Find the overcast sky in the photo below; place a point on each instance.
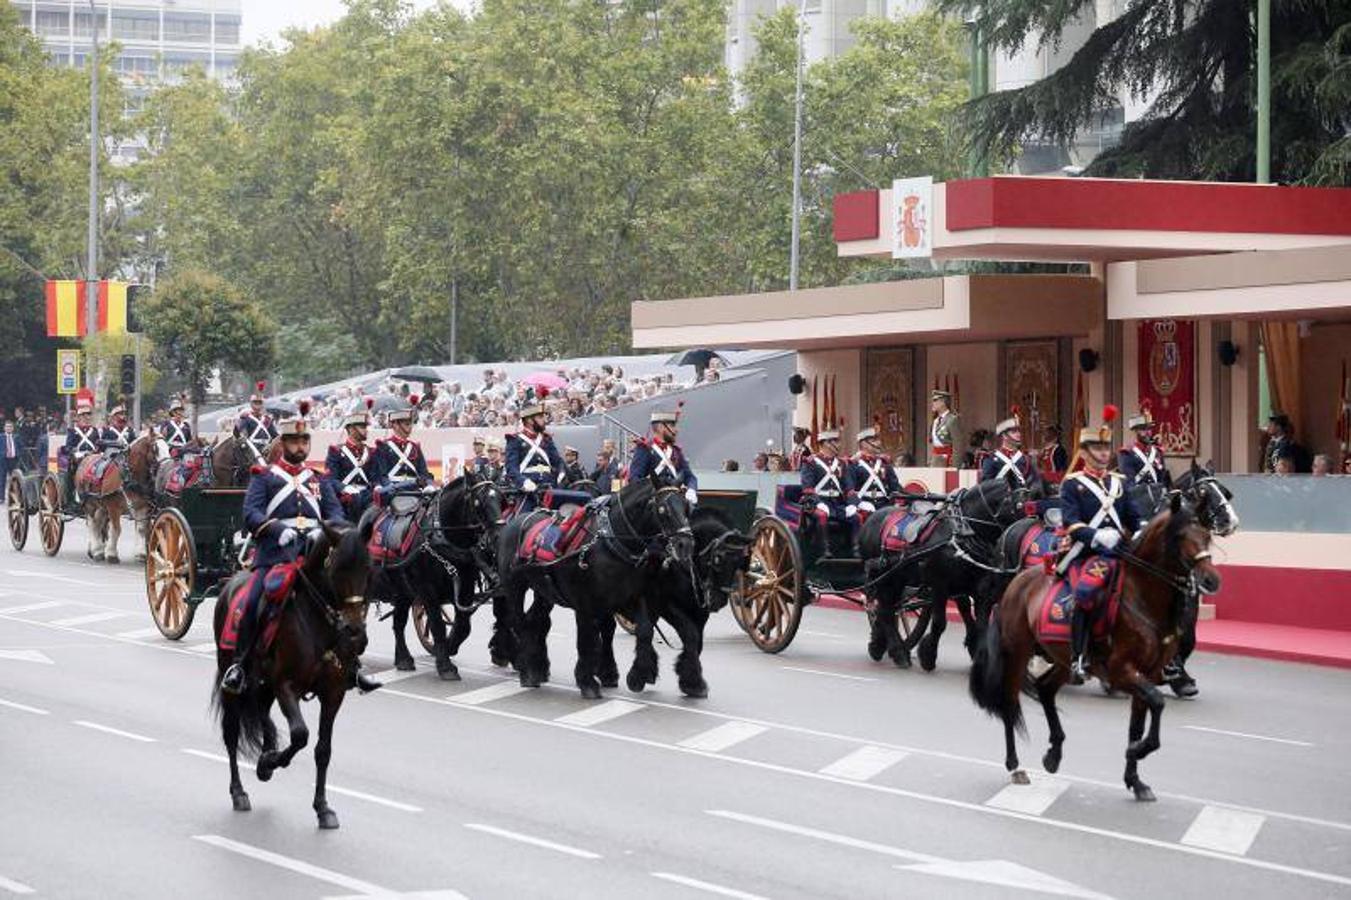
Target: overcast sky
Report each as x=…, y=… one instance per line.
x=265, y=19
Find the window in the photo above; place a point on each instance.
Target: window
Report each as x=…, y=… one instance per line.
x=178, y=63
x=135, y=65
x=84, y=25
x=136, y=26
x=191, y=27
x=227, y=29
x=52, y=24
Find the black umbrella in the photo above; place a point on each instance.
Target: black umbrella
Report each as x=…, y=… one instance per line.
x=425, y=374
x=279, y=407
x=386, y=402
x=697, y=357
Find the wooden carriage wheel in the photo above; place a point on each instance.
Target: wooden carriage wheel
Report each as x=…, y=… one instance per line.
x=424, y=632
x=51, y=527
x=769, y=598
x=18, y=516
x=170, y=573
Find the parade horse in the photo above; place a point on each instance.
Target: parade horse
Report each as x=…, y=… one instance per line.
x=685, y=599
x=945, y=554
x=628, y=543
x=431, y=549
x=309, y=647
x=113, y=484
x=1139, y=633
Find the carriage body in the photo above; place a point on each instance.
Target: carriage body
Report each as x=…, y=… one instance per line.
x=190, y=553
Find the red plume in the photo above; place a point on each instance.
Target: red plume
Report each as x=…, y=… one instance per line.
x=1110, y=413
x=370, y=402
x=304, y=407
x=1016, y=411
x=541, y=392
x=261, y=386
x=414, y=399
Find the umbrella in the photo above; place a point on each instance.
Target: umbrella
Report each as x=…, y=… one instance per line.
x=425, y=374
x=547, y=380
x=696, y=357
x=279, y=407
x=386, y=402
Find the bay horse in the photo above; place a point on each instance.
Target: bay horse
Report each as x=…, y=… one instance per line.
x=455, y=541
x=636, y=538
x=320, y=634
x=953, y=557
x=112, y=484
x=1171, y=557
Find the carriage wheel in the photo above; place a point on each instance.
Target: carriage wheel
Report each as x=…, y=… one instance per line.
x=170, y=571
x=424, y=632
x=18, y=516
x=51, y=527
x=906, y=622
x=768, y=602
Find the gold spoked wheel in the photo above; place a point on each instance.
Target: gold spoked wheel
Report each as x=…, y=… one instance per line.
x=768, y=601
x=51, y=527
x=18, y=516
x=424, y=632
x=170, y=571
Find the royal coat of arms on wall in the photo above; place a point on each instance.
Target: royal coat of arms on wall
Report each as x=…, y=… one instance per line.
x=1167, y=382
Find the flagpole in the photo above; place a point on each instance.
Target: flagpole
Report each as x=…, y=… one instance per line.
x=92, y=245
x=793, y=262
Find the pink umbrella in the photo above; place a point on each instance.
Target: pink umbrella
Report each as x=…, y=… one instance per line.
x=548, y=380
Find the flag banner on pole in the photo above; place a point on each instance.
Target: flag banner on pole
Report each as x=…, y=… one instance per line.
x=65, y=309
x=113, y=307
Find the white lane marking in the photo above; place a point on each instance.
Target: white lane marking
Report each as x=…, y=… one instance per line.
x=1005, y=873
x=841, y=840
x=721, y=737
x=926, y=798
x=531, y=840
x=91, y=618
x=15, y=887
x=827, y=634
x=1244, y=734
x=33, y=656
x=214, y=757
x=706, y=886
x=24, y=707
x=47, y=576
x=140, y=633
x=394, y=676
x=1226, y=830
x=827, y=674
x=864, y=763
x=204, y=647
x=32, y=607
x=1033, y=799
x=108, y=729
x=372, y=798
x=499, y=691
x=601, y=712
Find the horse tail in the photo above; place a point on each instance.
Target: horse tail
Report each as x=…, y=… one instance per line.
x=988, y=672
x=251, y=713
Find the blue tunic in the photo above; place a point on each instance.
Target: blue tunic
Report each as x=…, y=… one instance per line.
x=1149, y=470
x=875, y=484
x=648, y=460
x=388, y=468
x=307, y=499
x=354, y=490
x=1080, y=504
x=542, y=464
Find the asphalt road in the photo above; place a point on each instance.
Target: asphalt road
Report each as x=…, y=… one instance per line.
x=811, y=774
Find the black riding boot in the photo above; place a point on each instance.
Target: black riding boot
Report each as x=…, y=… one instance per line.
x=236, y=677
x=1078, y=646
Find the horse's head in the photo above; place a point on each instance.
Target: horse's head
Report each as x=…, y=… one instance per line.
x=143, y=457
x=486, y=503
x=1186, y=546
x=658, y=512
x=340, y=564
x=993, y=504
x=1210, y=498
x=720, y=552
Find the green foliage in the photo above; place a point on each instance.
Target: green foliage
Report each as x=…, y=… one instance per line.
x=314, y=352
x=201, y=323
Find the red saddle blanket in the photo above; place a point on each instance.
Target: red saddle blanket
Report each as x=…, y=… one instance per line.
x=902, y=529
x=1058, y=600
x=186, y=474
x=1039, y=545
x=91, y=473
x=553, y=537
x=277, y=583
x=393, y=535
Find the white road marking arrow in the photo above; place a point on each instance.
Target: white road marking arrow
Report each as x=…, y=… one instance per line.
x=33, y=656
x=1005, y=874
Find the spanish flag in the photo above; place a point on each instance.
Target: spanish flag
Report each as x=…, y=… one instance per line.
x=65, y=308
x=113, y=307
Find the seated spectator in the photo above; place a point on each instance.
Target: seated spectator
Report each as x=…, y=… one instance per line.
x=731, y=465
x=1322, y=464
x=761, y=462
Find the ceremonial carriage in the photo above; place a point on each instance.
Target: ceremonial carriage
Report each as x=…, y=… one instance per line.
x=192, y=548
x=47, y=495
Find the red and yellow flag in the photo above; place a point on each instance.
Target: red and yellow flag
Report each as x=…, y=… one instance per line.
x=65, y=308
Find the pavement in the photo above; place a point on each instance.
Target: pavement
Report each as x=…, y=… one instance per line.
x=812, y=774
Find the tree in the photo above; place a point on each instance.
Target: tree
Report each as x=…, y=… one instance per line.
x=201, y=323
x=1196, y=60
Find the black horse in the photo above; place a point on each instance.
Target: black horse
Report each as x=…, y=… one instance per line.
x=636, y=538
x=685, y=600
x=953, y=557
x=453, y=543
x=320, y=634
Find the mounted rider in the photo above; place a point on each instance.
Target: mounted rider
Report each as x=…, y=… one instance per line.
x=872, y=474
x=349, y=466
x=284, y=505
x=1008, y=461
x=255, y=427
x=1099, y=516
x=828, y=493
x=83, y=438
x=117, y=433
x=1142, y=462
x=533, y=460
x=176, y=432
x=658, y=454
x=398, y=460
x=946, y=438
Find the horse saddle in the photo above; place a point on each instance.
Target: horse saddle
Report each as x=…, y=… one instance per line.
x=277, y=584
x=1040, y=546
x=92, y=470
x=904, y=528
x=395, y=530
x=554, y=536
x=1084, y=584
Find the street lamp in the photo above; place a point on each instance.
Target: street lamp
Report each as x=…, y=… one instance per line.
x=797, y=150
x=91, y=301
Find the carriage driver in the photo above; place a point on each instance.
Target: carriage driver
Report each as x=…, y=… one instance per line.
x=533, y=461
x=82, y=439
x=1142, y=462
x=176, y=432
x=828, y=489
x=659, y=455
x=348, y=466
x=117, y=434
x=872, y=474
x=255, y=427
x=1099, y=516
x=1008, y=460
x=399, y=461
x=284, y=504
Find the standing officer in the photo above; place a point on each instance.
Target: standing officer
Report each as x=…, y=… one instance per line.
x=176, y=432
x=801, y=446
x=1008, y=460
x=828, y=490
x=348, y=465
x=872, y=474
x=660, y=455
x=479, y=460
x=399, y=460
x=1142, y=462
x=533, y=461
x=945, y=434
x=10, y=455
x=256, y=426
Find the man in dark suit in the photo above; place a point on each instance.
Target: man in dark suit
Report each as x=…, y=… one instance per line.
x=11, y=453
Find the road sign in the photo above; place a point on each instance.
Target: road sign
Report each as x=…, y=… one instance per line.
x=67, y=371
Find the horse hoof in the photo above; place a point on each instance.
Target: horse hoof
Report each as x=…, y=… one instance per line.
x=635, y=682
x=1144, y=794
x=266, y=766
x=529, y=681
x=328, y=819
x=698, y=691
x=241, y=802
x=610, y=680
x=1051, y=762
x=447, y=671
x=404, y=663
x=1020, y=777
x=877, y=648
x=499, y=660
x=901, y=660
x=590, y=691
x=111, y=560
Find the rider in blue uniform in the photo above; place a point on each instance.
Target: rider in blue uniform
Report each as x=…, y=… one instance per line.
x=828, y=492
x=283, y=505
x=872, y=474
x=83, y=437
x=533, y=461
x=117, y=434
x=1142, y=462
x=658, y=454
x=399, y=461
x=1008, y=460
x=348, y=466
x=176, y=432
x=1099, y=517
x=256, y=427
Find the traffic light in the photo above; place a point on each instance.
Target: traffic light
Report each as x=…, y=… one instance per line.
x=128, y=375
x=133, y=318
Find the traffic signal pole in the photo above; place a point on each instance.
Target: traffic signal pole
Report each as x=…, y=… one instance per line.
x=91, y=285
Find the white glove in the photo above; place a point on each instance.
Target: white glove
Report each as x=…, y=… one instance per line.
x=850, y=511
x=823, y=509
x=287, y=536
x=867, y=506
x=691, y=497
x=313, y=534
x=430, y=489
x=1106, y=538
x=528, y=486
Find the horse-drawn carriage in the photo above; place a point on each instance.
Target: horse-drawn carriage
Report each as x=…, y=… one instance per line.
x=48, y=495
x=192, y=549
